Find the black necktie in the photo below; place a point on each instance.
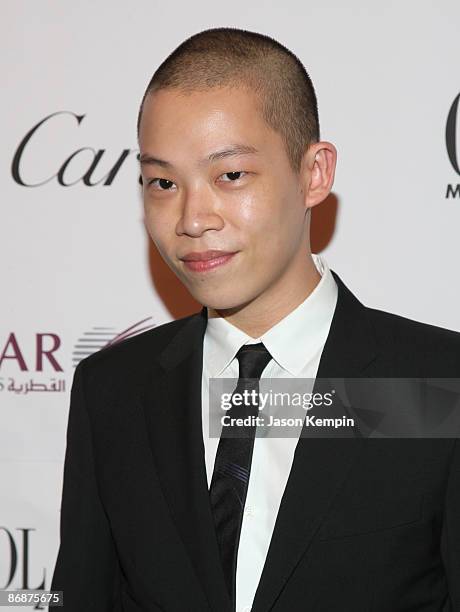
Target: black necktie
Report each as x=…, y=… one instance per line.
x=232, y=466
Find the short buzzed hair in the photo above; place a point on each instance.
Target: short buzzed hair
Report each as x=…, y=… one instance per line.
x=240, y=58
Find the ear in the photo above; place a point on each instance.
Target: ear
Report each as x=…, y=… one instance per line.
x=318, y=171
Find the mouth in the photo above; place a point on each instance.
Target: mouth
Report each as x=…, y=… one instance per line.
x=207, y=260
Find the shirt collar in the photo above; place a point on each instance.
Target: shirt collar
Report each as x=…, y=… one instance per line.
x=292, y=342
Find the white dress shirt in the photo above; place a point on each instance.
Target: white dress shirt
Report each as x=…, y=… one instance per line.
x=295, y=344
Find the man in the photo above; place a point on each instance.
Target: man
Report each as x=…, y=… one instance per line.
x=157, y=514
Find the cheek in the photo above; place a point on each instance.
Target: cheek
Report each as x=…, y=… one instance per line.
x=158, y=225
x=268, y=219
x=259, y=211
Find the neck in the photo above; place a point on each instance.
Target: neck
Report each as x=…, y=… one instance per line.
x=266, y=310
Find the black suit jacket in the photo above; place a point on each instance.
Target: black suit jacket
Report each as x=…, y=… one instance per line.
x=365, y=525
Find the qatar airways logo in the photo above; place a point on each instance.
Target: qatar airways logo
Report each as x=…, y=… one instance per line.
x=100, y=337
x=452, y=142
x=33, y=363
x=86, y=165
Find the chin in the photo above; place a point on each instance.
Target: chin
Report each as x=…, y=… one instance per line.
x=224, y=300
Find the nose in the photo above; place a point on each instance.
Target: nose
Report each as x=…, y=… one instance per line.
x=199, y=213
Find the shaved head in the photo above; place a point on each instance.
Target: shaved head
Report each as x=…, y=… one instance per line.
x=232, y=57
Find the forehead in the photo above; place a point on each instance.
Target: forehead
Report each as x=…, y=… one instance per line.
x=211, y=117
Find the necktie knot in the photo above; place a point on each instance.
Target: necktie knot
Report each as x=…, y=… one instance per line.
x=252, y=359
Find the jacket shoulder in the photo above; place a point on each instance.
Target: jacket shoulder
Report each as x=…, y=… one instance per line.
x=134, y=354
x=432, y=350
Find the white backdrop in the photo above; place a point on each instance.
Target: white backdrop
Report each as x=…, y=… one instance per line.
x=77, y=267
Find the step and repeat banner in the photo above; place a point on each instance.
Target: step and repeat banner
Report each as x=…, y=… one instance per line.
x=78, y=270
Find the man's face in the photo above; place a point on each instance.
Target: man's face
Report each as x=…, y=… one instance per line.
x=246, y=204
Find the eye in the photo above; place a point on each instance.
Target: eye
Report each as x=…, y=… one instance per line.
x=164, y=184
x=234, y=176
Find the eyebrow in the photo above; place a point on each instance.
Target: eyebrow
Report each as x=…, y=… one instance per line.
x=231, y=151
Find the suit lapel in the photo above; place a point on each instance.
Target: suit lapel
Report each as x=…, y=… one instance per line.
x=175, y=429
x=320, y=465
